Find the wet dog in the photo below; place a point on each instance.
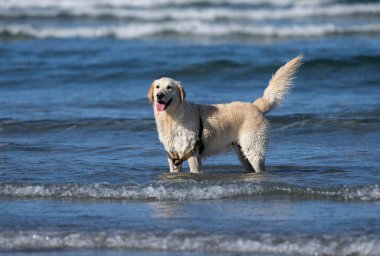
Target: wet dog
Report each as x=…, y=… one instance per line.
x=191, y=131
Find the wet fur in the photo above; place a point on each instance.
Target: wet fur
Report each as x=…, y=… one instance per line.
x=238, y=125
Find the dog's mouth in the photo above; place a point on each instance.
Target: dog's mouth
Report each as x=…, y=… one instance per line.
x=161, y=105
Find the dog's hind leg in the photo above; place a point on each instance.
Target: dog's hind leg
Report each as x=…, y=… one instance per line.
x=243, y=160
x=195, y=164
x=257, y=162
x=255, y=157
x=253, y=147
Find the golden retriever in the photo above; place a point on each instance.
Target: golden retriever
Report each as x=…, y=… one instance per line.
x=192, y=131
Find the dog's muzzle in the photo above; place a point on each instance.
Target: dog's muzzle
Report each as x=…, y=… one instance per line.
x=161, y=105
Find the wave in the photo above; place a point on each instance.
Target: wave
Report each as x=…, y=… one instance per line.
x=13, y=4
x=367, y=120
x=236, y=19
x=188, y=29
x=245, y=68
x=13, y=126
x=187, y=190
x=183, y=241
x=191, y=13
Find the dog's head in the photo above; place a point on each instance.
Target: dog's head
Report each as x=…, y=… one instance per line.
x=166, y=93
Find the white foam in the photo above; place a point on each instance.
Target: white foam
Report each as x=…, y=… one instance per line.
x=145, y=20
x=189, y=190
x=148, y=3
x=190, y=29
x=184, y=241
x=197, y=14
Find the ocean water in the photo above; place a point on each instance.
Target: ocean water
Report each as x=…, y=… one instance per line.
x=82, y=171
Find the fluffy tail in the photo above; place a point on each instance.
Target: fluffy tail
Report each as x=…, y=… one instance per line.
x=279, y=86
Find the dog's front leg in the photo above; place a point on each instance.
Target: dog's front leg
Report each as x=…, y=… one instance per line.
x=195, y=164
x=174, y=168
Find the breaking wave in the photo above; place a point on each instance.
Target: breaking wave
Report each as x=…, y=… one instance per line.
x=195, y=18
x=187, y=29
x=188, y=13
x=188, y=190
x=184, y=241
x=151, y=3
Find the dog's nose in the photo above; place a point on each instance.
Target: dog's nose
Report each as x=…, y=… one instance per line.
x=160, y=95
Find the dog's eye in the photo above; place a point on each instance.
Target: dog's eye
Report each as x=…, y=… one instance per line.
x=157, y=87
x=169, y=87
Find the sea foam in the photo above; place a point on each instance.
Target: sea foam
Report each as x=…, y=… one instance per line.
x=189, y=13
x=197, y=19
x=151, y=3
x=188, y=29
x=183, y=241
x=189, y=190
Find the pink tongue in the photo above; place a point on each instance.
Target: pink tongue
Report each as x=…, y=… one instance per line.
x=160, y=107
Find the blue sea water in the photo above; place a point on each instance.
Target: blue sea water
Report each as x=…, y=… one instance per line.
x=82, y=171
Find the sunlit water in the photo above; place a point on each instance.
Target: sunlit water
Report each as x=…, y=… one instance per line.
x=81, y=167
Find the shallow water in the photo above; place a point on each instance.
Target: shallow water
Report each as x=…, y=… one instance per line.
x=82, y=171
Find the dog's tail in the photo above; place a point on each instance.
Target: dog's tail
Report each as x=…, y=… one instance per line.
x=279, y=86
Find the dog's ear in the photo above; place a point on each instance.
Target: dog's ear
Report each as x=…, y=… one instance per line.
x=182, y=92
x=151, y=93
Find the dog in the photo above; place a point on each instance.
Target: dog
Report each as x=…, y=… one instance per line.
x=192, y=131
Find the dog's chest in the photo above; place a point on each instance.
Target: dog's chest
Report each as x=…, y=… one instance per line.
x=177, y=138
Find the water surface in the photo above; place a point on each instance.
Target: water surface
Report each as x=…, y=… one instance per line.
x=81, y=167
